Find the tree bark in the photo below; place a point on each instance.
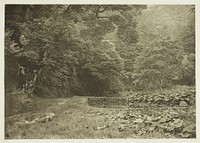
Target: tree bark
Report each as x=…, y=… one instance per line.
x=37, y=72
x=22, y=77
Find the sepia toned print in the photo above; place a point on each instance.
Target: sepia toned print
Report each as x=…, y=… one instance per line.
x=100, y=71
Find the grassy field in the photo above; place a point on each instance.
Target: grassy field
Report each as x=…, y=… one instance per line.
x=75, y=119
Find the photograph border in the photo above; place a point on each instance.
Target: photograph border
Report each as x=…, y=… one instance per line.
x=168, y=2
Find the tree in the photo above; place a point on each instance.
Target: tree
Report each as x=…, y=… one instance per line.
x=160, y=64
x=169, y=25
x=54, y=41
x=101, y=72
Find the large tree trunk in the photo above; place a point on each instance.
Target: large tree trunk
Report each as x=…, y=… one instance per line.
x=36, y=72
x=22, y=77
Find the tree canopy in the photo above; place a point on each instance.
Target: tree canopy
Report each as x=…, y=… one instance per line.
x=63, y=50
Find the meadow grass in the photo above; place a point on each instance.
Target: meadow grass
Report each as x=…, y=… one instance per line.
x=75, y=119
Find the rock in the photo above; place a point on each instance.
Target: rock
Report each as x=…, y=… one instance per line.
x=121, y=128
x=131, y=104
x=99, y=113
x=132, y=115
x=152, y=128
x=149, y=118
x=187, y=99
x=138, y=121
x=43, y=120
x=189, y=129
x=156, y=118
x=185, y=135
x=141, y=132
x=101, y=128
x=19, y=123
x=32, y=122
x=125, y=122
x=23, y=120
x=36, y=119
x=51, y=115
x=106, y=114
x=27, y=122
x=178, y=123
x=183, y=104
x=121, y=116
x=47, y=118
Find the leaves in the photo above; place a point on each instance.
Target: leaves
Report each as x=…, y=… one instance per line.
x=106, y=48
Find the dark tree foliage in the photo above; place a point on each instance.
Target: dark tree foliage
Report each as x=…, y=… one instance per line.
x=63, y=50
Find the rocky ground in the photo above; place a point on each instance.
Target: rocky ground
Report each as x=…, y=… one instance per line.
x=74, y=118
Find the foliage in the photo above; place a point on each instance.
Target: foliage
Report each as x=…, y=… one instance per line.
x=172, y=25
x=99, y=49
x=104, y=69
x=18, y=102
x=57, y=42
x=159, y=64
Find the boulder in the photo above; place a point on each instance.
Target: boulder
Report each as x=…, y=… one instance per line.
x=183, y=104
x=47, y=118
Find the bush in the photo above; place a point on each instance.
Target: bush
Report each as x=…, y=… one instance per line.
x=18, y=102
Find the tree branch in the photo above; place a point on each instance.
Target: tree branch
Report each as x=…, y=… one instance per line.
x=69, y=6
x=100, y=10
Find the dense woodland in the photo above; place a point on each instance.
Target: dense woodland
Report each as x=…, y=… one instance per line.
x=98, y=50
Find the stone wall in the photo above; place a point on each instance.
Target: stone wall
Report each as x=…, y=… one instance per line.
x=107, y=101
